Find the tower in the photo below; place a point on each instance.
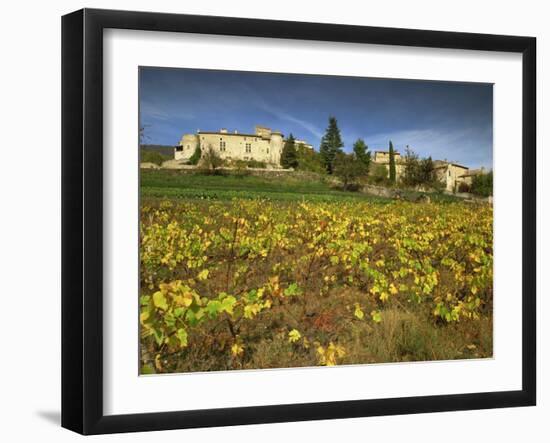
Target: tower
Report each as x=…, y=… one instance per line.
x=276, y=147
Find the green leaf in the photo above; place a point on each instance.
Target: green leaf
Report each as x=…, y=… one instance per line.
x=182, y=337
x=191, y=317
x=358, y=312
x=252, y=295
x=159, y=336
x=228, y=303
x=169, y=320
x=159, y=300
x=293, y=289
x=213, y=308
x=147, y=370
x=376, y=316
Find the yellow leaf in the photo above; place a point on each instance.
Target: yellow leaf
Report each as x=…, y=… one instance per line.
x=294, y=336
x=237, y=349
x=158, y=364
x=358, y=312
x=143, y=316
x=203, y=275
x=184, y=300
x=159, y=300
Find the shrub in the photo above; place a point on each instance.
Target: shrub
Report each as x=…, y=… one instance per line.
x=211, y=161
x=152, y=157
x=309, y=160
x=256, y=164
x=482, y=184
x=378, y=174
x=349, y=169
x=194, y=159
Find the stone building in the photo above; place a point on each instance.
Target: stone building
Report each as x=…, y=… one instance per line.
x=450, y=174
x=263, y=145
x=383, y=158
x=304, y=144
x=469, y=175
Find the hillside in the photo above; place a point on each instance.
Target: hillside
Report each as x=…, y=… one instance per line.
x=164, y=150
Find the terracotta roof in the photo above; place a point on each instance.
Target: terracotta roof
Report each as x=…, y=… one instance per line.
x=473, y=172
x=438, y=164
x=387, y=152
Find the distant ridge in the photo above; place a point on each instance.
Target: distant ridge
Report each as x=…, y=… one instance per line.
x=165, y=150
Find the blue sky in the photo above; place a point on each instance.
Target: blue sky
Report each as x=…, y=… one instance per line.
x=447, y=120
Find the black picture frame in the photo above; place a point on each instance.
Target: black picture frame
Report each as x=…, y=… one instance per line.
x=82, y=218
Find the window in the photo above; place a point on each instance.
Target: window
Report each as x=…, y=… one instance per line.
x=267, y=150
x=222, y=146
x=449, y=172
x=248, y=148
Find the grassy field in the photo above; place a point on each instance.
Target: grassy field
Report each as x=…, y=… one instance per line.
x=258, y=272
x=290, y=187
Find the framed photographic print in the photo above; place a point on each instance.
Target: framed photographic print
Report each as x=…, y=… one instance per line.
x=269, y=221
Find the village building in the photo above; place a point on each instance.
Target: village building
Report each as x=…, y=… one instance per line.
x=264, y=145
x=305, y=144
x=469, y=175
x=383, y=158
x=450, y=174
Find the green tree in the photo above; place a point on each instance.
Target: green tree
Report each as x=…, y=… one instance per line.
x=348, y=168
x=392, y=164
x=211, y=161
x=309, y=159
x=411, y=168
x=289, y=156
x=426, y=171
x=331, y=144
x=362, y=153
x=482, y=184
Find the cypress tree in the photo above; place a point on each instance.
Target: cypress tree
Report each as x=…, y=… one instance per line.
x=392, y=163
x=331, y=145
x=289, y=156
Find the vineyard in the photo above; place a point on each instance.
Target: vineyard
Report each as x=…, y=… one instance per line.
x=243, y=284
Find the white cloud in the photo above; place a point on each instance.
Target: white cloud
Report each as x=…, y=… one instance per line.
x=459, y=145
x=149, y=110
